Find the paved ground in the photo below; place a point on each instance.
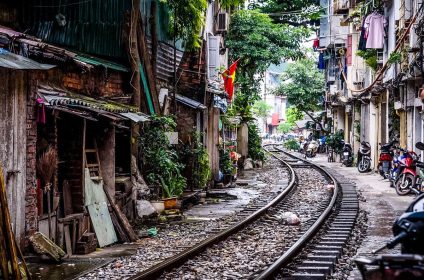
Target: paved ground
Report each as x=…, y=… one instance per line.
x=381, y=202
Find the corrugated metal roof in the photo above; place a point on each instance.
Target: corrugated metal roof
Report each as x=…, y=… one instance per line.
x=190, y=102
x=136, y=117
x=88, y=107
x=14, y=61
x=101, y=62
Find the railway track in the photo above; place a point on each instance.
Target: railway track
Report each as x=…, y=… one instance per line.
x=340, y=205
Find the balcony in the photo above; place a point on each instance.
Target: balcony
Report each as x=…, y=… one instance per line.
x=341, y=7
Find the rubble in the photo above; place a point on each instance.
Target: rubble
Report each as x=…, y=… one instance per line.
x=44, y=246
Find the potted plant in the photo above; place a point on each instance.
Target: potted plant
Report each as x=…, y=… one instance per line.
x=160, y=160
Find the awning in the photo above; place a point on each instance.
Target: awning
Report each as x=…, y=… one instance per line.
x=136, y=117
x=95, y=61
x=190, y=102
x=86, y=106
x=14, y=61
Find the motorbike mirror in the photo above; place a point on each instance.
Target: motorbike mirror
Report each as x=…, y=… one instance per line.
x=419, y=145
x=417, y=205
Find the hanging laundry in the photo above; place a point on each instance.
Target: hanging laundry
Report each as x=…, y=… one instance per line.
x=362, y=38
x=315, y=44
x=321, y=62
x=41, y=111
x=375, y=24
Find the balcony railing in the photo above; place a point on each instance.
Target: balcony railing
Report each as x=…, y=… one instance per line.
x=341, y=6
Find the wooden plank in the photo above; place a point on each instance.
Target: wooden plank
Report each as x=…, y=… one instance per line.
x=67, y=199
x=68, y=244
x=13, y=254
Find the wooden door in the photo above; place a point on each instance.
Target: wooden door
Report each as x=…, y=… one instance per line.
x=13, y=143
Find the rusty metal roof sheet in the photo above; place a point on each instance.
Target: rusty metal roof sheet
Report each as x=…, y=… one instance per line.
x=190, y=102
x=54, y=95
x=14, y=61
x=86, y=106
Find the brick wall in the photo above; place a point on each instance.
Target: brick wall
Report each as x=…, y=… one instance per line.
x=95, y=83
x=31, y=211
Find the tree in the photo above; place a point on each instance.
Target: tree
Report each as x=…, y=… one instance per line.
x=294, y=12
x=261, y=109
x=304, y=85
x=258, y=42
x=293, y=115
x=284, y=127
x=186, y=20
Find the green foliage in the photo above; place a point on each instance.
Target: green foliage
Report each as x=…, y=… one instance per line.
x=197, y=169
x=261, y=109
x=292, y=144
x=258, y=42
x=189, y=20
x=160, y=160
x=395, y=57
x=303, y=85
x=225, y=164
x=294, y=11
x=357, y=130
x=293, y=115
x=335, y=141
x=226, y=4
x=255, y=150
x=284, y=127
x=370, y=57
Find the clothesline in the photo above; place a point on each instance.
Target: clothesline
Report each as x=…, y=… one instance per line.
x=386, y=65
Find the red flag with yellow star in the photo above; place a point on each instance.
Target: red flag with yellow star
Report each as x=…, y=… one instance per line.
x=229, y=77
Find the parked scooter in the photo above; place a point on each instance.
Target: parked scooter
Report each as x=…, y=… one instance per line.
x=347, y=155
x=364, y=157
x=385, y=159
x=312, y=149
x=411, y=180
x=408, y=230
x=399, y=155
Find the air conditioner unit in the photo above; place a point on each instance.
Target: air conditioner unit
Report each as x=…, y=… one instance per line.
x=222, y=23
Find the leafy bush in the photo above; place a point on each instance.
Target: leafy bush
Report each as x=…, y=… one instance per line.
x=225, y=164
x=197, y=170
x=370, y=57
x=254, y=149
x=292, y=144
x=335, y=141
x=160, y=160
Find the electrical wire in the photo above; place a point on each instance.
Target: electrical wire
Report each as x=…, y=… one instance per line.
x=63, y=5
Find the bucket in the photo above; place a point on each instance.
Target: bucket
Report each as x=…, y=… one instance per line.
x=170, y=203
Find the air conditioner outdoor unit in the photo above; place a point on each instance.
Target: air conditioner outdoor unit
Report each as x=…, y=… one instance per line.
x=222, y=24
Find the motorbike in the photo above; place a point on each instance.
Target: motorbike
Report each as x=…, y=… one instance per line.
x=312, y=149
x=399, y=157
x=411, y=179
x=364, y=157
x=408, y=230
x=385, y=158
x=347, y=158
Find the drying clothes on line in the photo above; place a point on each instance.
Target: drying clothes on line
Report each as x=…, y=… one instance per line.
x=375, y=23
x=362, y=45
x=315, y=44
x=321, y=62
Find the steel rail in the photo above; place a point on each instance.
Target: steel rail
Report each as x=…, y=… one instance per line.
x=172, y=262
x=309, y=234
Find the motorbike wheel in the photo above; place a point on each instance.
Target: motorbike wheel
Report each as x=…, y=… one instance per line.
x=405, y=188
x=364, y=165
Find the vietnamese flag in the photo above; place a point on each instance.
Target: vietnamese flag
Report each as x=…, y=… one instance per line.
x=229, y=77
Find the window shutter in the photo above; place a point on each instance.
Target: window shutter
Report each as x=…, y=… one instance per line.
x=213, y=57
x=349, y=50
